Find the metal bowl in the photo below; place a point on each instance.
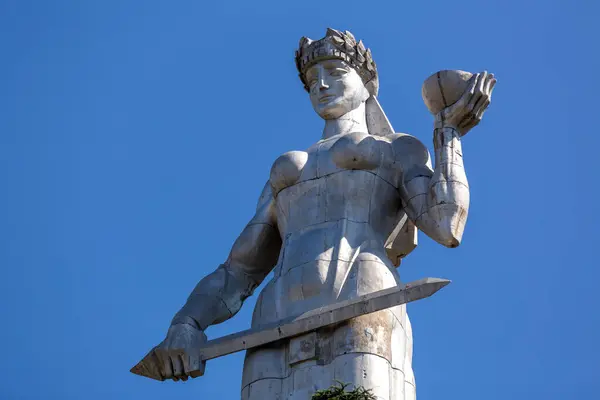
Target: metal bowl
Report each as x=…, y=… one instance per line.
x=444, y=88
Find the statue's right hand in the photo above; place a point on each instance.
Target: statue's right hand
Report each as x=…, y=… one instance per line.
x=179, y=354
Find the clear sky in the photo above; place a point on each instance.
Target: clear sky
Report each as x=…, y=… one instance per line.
x=135, y=137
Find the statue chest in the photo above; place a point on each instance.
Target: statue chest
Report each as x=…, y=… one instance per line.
x=354, y=151
x=352, y=177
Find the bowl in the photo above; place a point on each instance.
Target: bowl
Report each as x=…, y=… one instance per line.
x=444, y=88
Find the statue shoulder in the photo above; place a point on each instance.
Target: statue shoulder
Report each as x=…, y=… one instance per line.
x=287, y=169
x=408, y=150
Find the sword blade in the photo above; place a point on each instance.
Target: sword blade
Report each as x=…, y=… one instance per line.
x=309, y=321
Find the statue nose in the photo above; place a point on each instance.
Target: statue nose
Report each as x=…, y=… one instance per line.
x=322, y=84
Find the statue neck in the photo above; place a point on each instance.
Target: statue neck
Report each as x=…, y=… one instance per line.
x=353, y=121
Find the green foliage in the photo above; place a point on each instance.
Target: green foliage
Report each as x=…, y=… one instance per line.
x=340, y=393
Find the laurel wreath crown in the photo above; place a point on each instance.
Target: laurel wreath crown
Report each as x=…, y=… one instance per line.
x=340, y=45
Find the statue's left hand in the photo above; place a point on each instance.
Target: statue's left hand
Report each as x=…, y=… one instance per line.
x=467, y=112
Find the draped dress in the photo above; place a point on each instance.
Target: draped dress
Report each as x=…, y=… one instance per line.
x=336, y=205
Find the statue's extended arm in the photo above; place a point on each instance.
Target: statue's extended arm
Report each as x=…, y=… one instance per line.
x=220, y=295
x=437, y=201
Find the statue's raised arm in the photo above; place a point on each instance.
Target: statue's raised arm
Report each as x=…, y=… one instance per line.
x=219, y=295
x=437, y=200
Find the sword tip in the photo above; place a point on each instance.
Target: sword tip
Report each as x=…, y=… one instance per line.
x=439, y=281
x=428, y=286
x=430, y=281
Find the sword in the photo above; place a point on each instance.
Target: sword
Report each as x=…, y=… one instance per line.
x=306, y=322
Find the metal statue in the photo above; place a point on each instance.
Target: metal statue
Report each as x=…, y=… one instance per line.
x=333, y=222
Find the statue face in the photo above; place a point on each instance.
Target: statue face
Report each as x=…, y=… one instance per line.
x=335, y=88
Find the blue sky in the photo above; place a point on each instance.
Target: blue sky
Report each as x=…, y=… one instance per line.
x=135, y=138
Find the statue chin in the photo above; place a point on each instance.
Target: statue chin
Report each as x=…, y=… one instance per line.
x=334, y=109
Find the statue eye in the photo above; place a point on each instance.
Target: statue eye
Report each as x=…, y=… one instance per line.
x=338, y=72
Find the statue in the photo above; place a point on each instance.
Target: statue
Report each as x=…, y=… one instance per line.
x=333, y=223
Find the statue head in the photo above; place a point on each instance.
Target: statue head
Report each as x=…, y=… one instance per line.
x=338, y=73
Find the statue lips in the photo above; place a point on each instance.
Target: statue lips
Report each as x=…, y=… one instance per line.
x=327, y=98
